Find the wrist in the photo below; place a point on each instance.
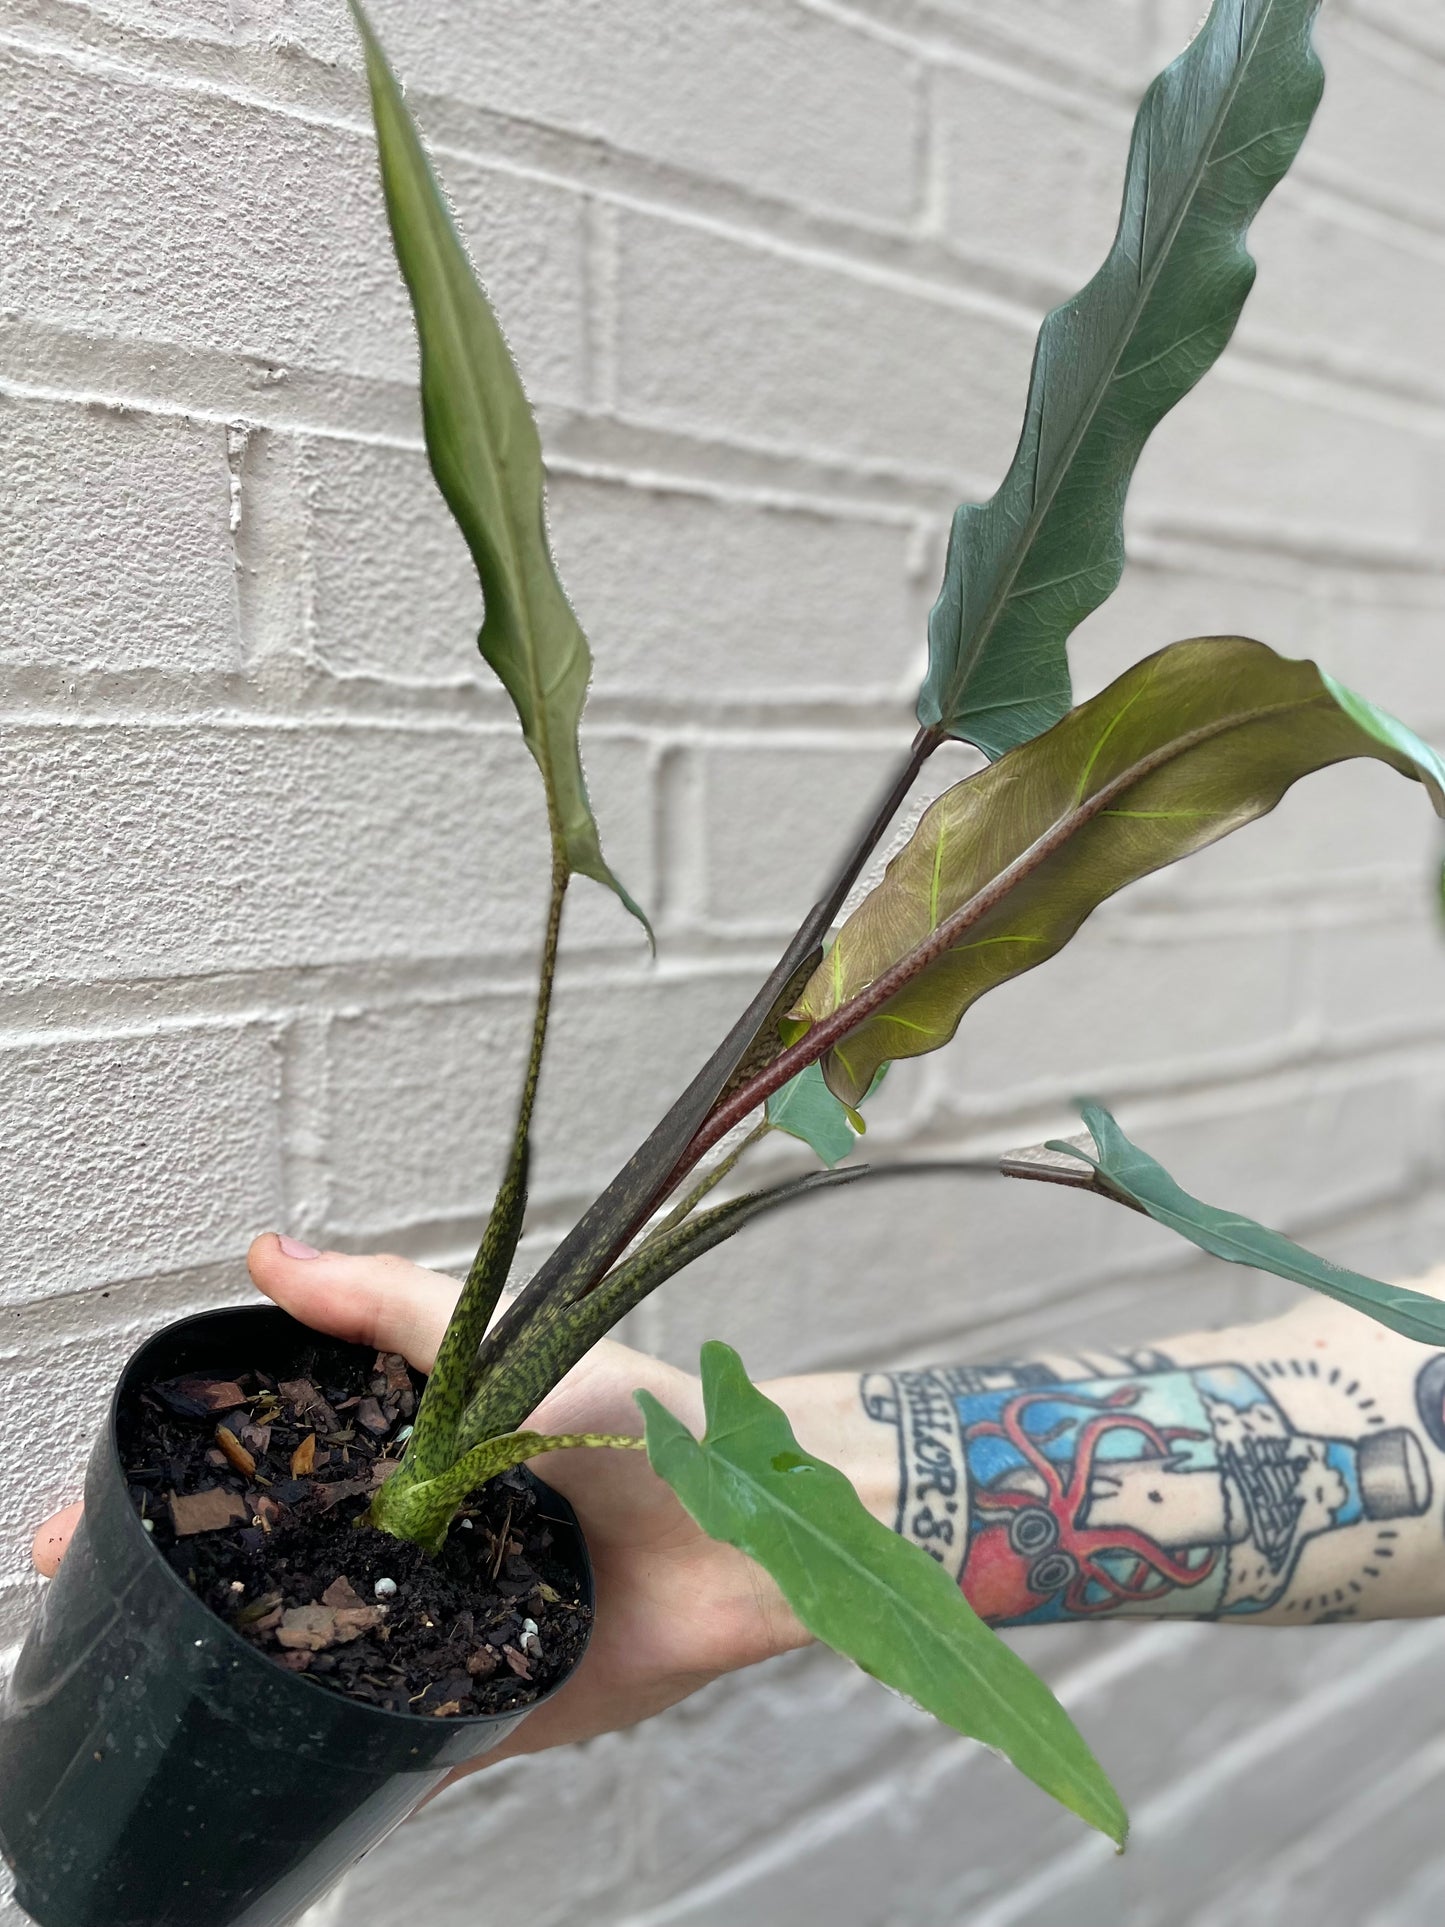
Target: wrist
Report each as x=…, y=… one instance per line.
x=828, y=1420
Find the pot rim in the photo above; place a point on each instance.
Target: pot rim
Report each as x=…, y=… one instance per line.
x=235, y=1642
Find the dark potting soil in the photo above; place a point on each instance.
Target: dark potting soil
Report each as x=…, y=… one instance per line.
x=255, y=1487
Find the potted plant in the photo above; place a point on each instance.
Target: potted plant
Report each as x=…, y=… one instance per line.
x=308, y=1583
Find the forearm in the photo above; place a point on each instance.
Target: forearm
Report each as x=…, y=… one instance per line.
x=1288, y=1472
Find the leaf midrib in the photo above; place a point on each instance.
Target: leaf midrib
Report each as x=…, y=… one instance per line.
x=1059, y=832
x=1345, y=1286
x=1039, y=509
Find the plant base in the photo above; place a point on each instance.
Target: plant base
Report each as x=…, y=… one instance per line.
x=156, y=1769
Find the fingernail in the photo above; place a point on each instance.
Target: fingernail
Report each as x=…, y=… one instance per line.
x=293, y=1247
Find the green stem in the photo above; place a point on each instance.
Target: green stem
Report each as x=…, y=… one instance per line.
x=614, y=1218
x=450, y=1385
x=686, y=1205
x=730, y=1111
x=562, y=1334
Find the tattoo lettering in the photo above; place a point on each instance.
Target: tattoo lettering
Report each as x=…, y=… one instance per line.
x=923, y=1407
x=1152, y=1489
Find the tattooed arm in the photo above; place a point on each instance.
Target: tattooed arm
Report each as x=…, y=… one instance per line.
x=1291, y=1472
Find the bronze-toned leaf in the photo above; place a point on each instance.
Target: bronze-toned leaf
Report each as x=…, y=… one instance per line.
x=1186, y=746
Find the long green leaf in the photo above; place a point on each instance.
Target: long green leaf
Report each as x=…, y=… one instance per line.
x=1131, y=1175
x=487, y=460
x=1186, y=746
x=856, y=1585
x=1214, y=134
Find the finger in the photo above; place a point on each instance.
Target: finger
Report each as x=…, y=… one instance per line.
x=50, y=1543
x=379, y=1300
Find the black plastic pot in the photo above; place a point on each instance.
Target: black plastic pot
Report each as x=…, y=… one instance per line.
x=156, y=1770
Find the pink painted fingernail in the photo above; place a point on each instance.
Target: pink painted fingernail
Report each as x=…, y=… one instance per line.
x=293, y=1247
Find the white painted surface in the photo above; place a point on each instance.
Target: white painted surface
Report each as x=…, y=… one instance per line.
x=270, y=847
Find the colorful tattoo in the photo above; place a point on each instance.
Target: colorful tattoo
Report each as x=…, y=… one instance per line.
x=1430, y=1399
x=1142, y=1488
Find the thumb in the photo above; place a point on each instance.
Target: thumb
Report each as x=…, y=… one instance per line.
x=380, y=1300
x=52, y=1541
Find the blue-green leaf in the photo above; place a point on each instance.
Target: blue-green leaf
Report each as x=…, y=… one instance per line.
x=1184, y=748
x=863, y=1590
x=1214, y=134
x=806, y=1109
x=1131, y=1175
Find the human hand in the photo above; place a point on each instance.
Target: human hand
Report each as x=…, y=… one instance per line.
x=674, y=1608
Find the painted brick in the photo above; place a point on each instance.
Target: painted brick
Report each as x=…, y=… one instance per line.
x=1113, y=40
x=1333, y=274
x=915, y=1870
x=1111, y=1007
x=131, y=1153
x=763, y=347
x=253, y=234
x=1320, y=1148
x=156, y=228
x=799, y=1729
x=1414, y=28
x=913, y=1260
x=61, y=1352
x=1379, y=127
x=119, y=552
x=496, y=1822
x=1319, y=1757
x=391, y=1077
x=18, y=1603
x=1169, y=593
x=1331, y=1876
x=771, y=97
x=688, y=597
x=684, y=596
x=966, y=1267
x=1239, y=455
x=621, y=1053
x=55, y=1432
x=1356, y=826
x=759, y=870
x=215, y=18
x=421, y=1098
x=1055, y=206
x=177, y=851
x=1381, y=636
x=10, y=1914
x=1419, y=1894
x=1382, y=974
x=393, y=593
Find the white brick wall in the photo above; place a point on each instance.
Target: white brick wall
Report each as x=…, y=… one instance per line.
x=270, y=847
